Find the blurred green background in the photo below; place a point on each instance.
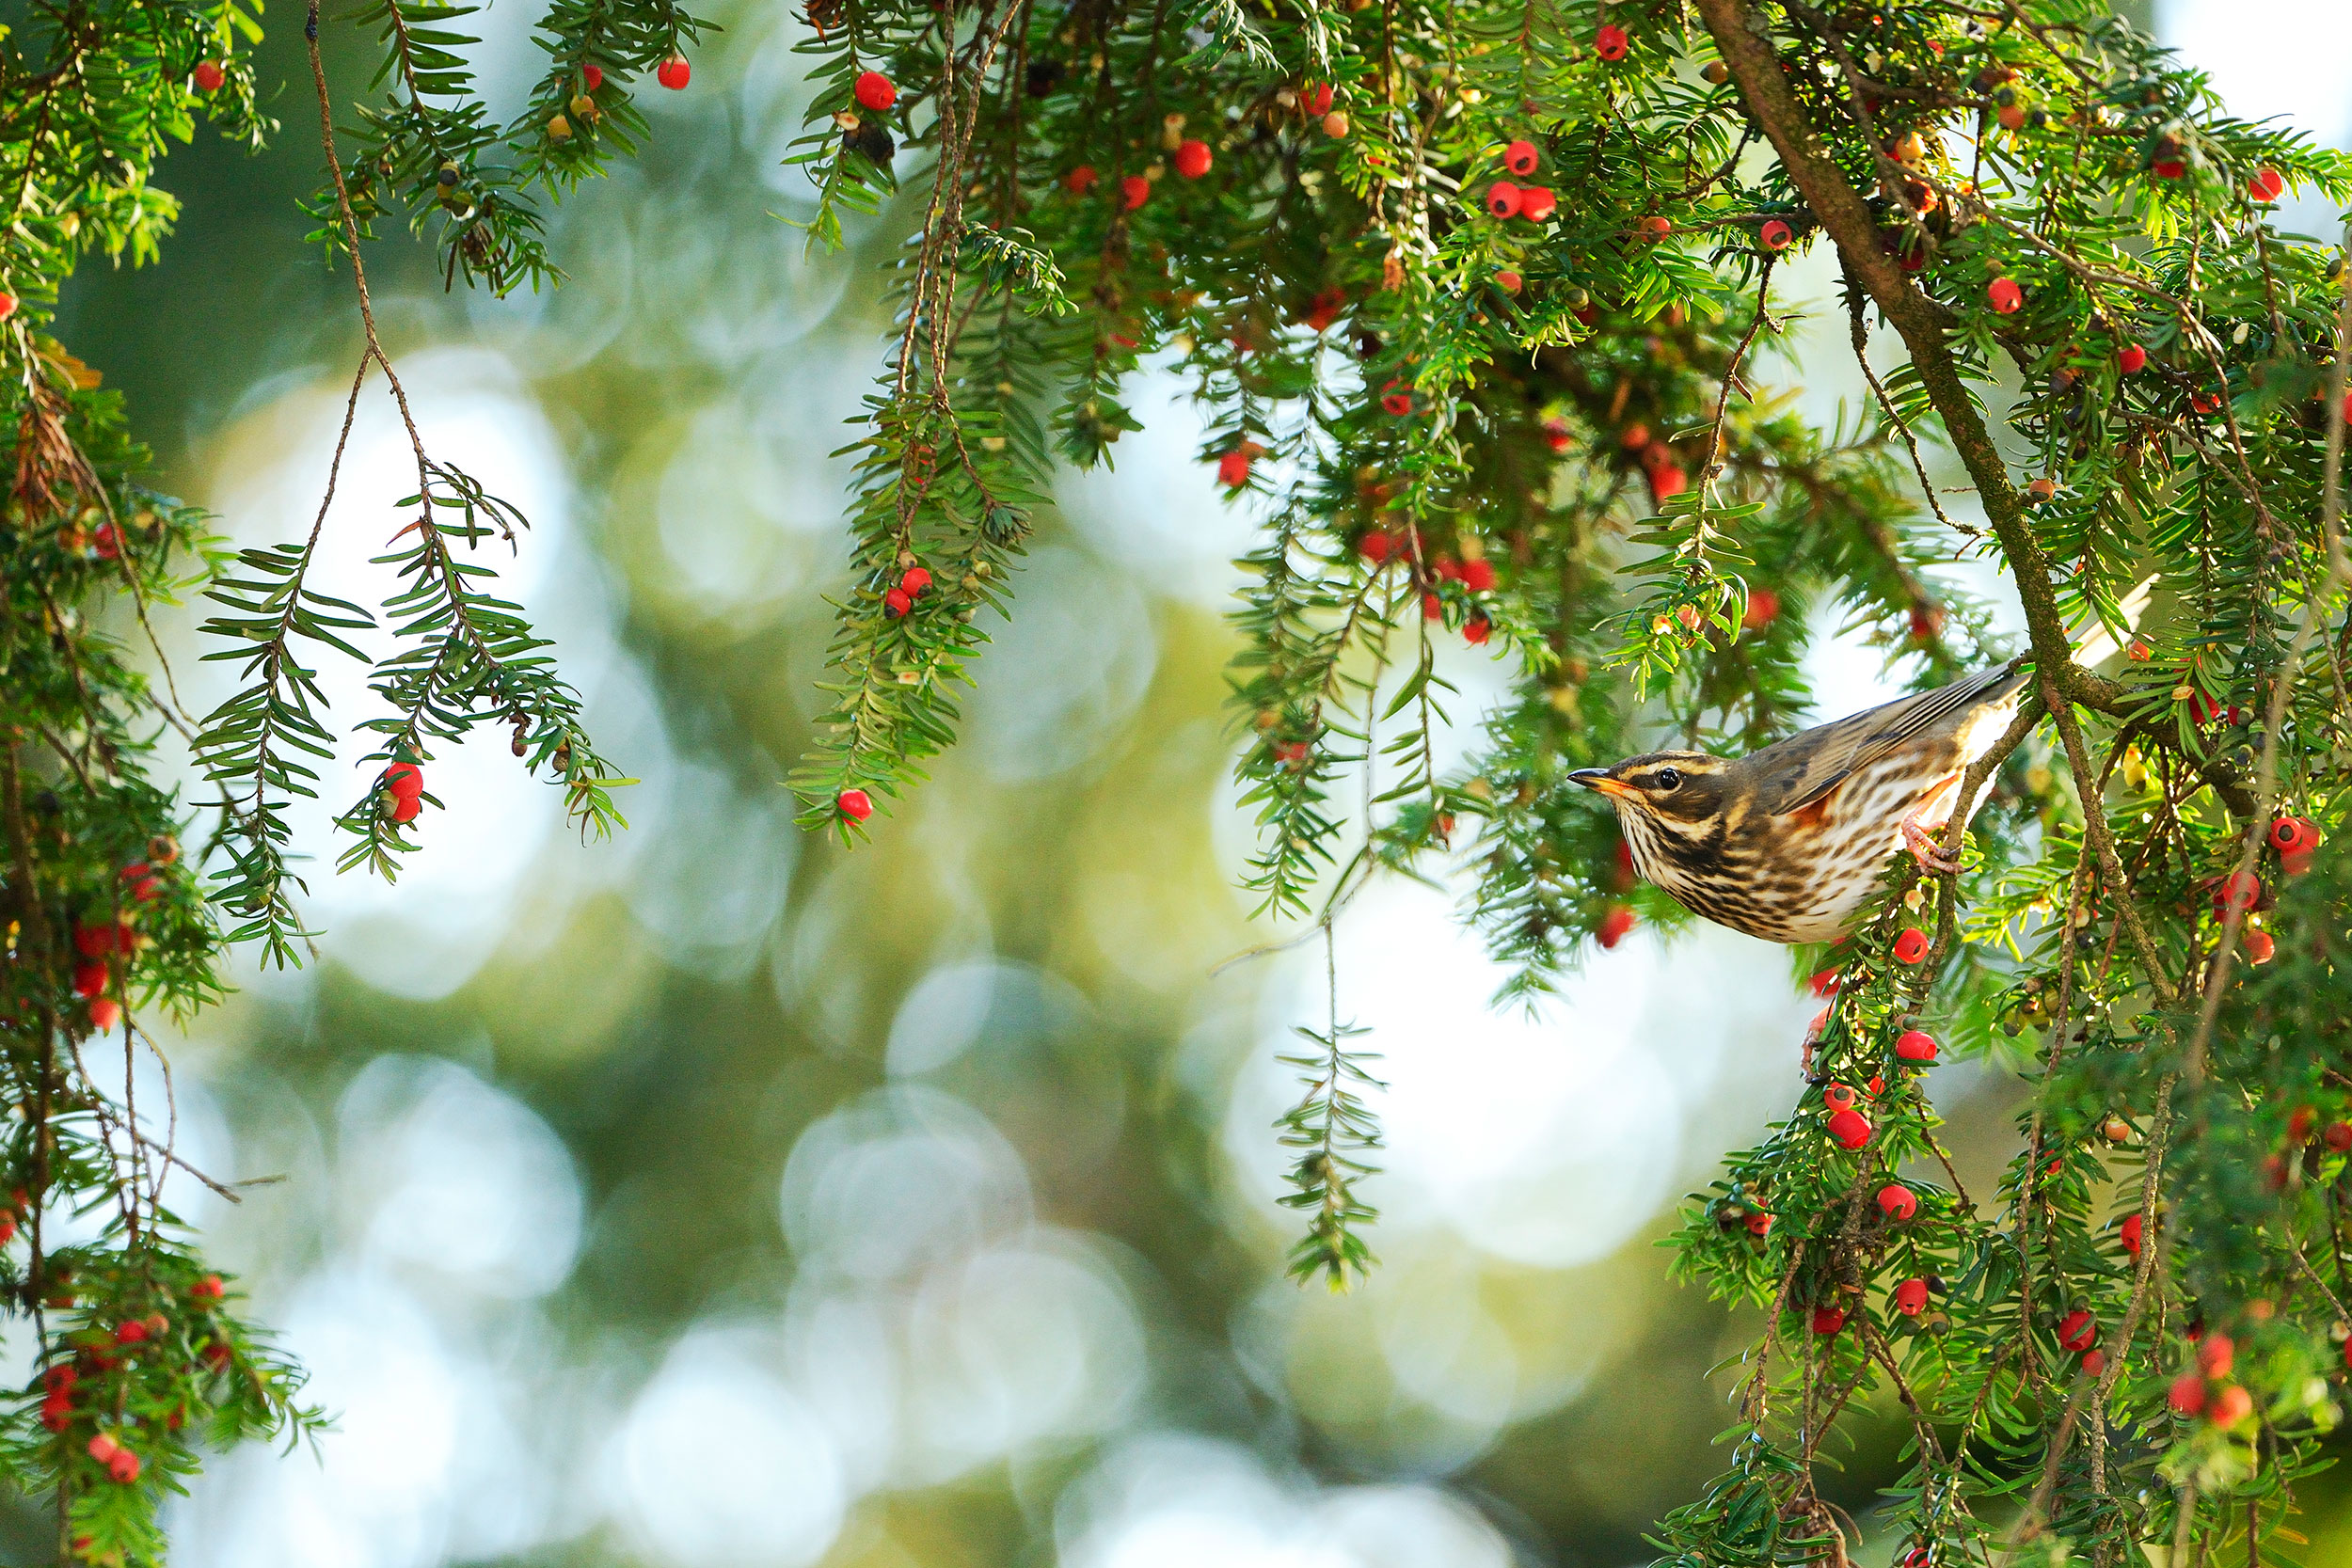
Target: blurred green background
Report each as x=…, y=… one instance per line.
x=716, y=1199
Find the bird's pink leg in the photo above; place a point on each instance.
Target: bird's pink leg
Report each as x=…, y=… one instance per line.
x=1917, y=828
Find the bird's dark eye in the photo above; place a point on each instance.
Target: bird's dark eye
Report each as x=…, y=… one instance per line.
x=1667, y=778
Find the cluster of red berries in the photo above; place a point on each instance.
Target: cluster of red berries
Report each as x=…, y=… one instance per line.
x=121, y=1464
x=901, y=600
x=1666, y=477
x=1533, y=203
x=1846, y=1124
x=94, y=945
x=2296, y=839
x=401, y=788
x=2206, y=1390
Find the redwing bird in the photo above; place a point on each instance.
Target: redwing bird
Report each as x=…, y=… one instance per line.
x=1787, y=843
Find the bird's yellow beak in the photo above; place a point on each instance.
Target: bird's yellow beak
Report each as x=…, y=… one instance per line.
x=1597, y=778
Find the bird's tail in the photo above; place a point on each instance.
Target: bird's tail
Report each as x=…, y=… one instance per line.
x=2098, y=642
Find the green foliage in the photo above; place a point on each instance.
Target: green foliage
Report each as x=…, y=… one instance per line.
x=139, y=1355
x=1553, y=432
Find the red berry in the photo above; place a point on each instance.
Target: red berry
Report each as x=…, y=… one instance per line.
x=1536, y=203
x=123, y=1467
x=104, y=1013
x=2168, y=169
x=1396, y=398
x=2231, y=1406
x=2216, y=1355
x=60, y=1379
x=1828, y=1320
x=143, y=883
x=2266, y=186
x=1520, y=157
x=2289, y=834
x=1838, y=1096
x=2094, y=1362
x=218, y=1354
x=898, y=601
x=1478, y=576
x=2296, y=865
x=1609, y=42
x=1476, y=631
x=405, y=779
x=1763, y=608
x=874, y=91
x=1193, y=159
x=1775, y=235
x=207, y=1288
x=2338, y=1136
x=1134, y=190
x=2130, y=1232
x=1233, y=468
x=2205, y=403
x=1508, y=281
x=1315, y=98
x=1926, y=620
x=1625, y=864
x=1911, y=947
x=405, y=807
x=1614, y=923
x=2005, y=295
x=855, y=804
x=1432, y=606
x=915, y=580
x=591, y=76
x=1657, y=226
x=2077, y=1330
x=209, y=77
x=1503, y=199
x=2261, y=946
x=1913, y=1045
x=1897, y=1201
x=1375, y=548
x=102, y=1448
x=2130, y=360
x=1823, y=983
x=1911, y=1297
x=8, y=305
x=56, y=1411
x=2187, y=1394
x=2239, y=890
x=1759, y=1224
x=90, y=978
x=1850, y=1128
x=131, y=1332
x=1080, y=179
x=674, y=73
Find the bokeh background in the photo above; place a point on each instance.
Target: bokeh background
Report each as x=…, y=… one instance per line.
x=712, y=1198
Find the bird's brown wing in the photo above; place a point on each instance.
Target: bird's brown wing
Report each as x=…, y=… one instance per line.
x=1794, y=773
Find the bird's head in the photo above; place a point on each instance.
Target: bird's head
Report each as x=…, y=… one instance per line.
x=1678, y=790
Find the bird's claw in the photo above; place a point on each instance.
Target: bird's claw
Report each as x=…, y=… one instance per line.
x=1925, y=850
